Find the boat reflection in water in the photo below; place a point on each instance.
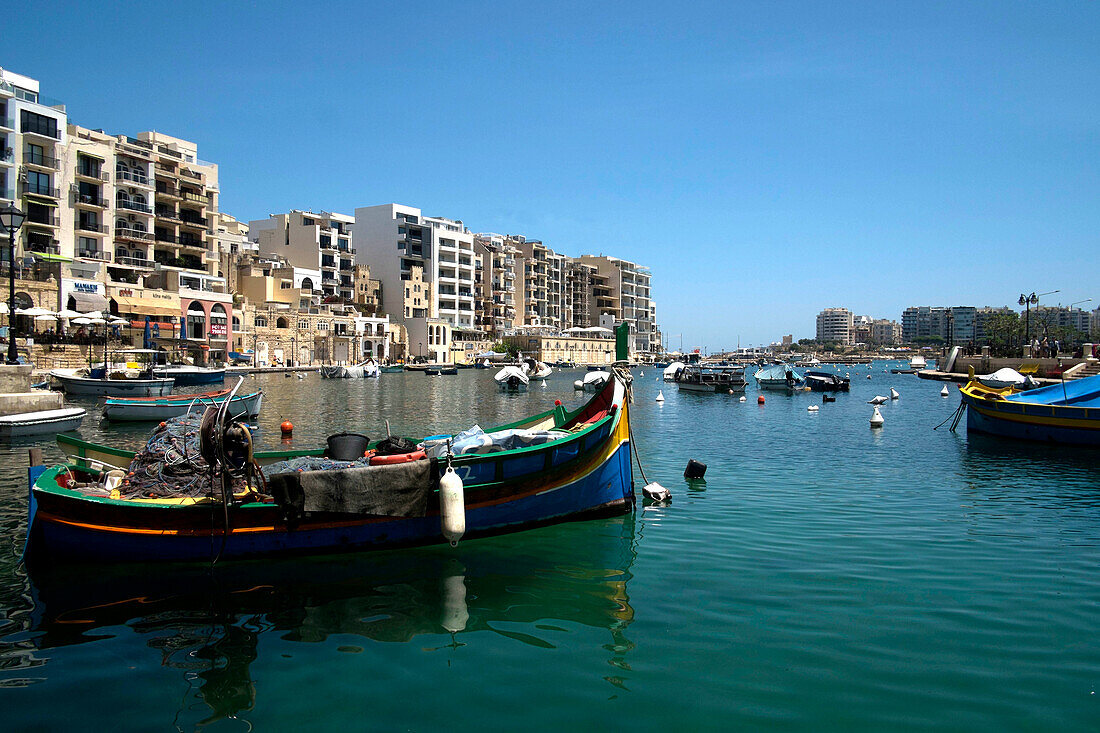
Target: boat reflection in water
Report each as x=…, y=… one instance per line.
x=208, y=623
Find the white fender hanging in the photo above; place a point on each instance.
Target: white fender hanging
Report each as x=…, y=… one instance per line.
x=452, y=507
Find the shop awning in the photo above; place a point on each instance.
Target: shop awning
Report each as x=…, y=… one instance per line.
x=49, y=256
x=87, y=302
x=159, y=324
x=147, y=306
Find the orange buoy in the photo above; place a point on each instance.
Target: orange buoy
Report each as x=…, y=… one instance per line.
x=287, y=427
x=760, y=400
x=557, y=403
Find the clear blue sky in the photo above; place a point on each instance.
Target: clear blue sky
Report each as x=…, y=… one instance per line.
x=766, y=160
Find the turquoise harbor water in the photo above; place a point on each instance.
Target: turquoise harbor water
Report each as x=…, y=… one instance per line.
x=824, y=576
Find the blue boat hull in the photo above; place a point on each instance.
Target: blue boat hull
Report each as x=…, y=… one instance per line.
x=1010, y=426
x=196, y=378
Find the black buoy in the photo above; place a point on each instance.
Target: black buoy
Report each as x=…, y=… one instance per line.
x=695, y=469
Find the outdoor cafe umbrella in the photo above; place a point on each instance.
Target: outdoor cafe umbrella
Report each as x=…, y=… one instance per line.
x=46, y=317
x=33, y=312
x=67, y=314
x=148, y=335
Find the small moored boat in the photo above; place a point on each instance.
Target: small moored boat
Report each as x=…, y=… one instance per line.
x=512, y=379
x=163, y=408
x=778, y=377
x=827, y=382
x=41, y=421
x=696, y=378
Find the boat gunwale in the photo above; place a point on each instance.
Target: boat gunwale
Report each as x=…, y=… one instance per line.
x=47, y=482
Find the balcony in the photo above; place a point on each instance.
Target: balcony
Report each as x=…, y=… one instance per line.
x=45, y=249
x=165, y=191
x=191, y=174
x=92, y=175
x=193, y=221
x=92, y=226
x=40, y=160
x=131, y=205
x=136, y=148
x=192, y=243
x=49, y=220
x=7, y=123
x=35, y=189
x=167, y=214
x=94, y=254
x=83, y=199
x=138, y=262
x=132, y=177
x=194, y=198
x=133, y=235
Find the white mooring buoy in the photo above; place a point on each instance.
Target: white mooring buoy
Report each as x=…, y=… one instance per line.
x=641, y=373
x=944, y=392
x=660, y=396
x=578, y=384
x=877, y=419
x=544, y=383
x=811, y=408
x=452, y=507
x=876, y=400
x=894, y=394
x=868, y=376
x=655, y=493
x=742, y=398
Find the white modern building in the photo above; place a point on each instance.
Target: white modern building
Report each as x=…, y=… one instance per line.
x=426, y=266
x=835, y=324
x=318, y=246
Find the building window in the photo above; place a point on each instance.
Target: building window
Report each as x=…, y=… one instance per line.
x=39, y=124
x=38, y=183
x=261, y=322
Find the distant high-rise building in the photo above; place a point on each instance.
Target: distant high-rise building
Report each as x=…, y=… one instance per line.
x=835, y=324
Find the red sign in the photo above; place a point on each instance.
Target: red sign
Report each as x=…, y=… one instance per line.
x=217, y=329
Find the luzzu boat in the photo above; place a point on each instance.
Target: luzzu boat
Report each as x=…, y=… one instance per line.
x=163, y=408
x=584, y=472
x=1060, y=413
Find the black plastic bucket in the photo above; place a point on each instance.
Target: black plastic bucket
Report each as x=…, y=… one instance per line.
x=347, y=446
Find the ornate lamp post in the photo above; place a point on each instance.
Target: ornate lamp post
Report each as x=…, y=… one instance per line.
x=12, y=218
x=1028, y=301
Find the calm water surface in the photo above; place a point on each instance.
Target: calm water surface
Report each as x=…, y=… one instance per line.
x=824, y=576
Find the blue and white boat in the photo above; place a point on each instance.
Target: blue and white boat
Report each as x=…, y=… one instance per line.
x=1068, y=412
x=779, y=377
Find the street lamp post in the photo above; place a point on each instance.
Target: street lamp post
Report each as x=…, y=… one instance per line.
x=1028, y=301
x=12, y=218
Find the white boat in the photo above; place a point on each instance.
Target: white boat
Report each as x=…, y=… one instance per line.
x=672, y=370
x=535, y=369
x=512, y=379
x=163, y=408
x=595, y=381
x=363, y=370
x=780, y=377
x=917, y=363
x=42, y=421
x=117, y=384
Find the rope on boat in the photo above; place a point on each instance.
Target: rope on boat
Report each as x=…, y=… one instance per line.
x=954, y=417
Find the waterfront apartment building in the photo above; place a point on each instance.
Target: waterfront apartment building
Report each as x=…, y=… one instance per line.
x=621, y=290
x=835, y=324
x=318, y=245
x=497, y=292
x=407, y=250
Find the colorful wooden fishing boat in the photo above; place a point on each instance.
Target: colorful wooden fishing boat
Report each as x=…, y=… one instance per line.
x=1060, y=413
x=163, y=408
x=584, y=472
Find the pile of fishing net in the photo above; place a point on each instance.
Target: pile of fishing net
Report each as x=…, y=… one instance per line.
x=312, y=463
x=170, y=465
